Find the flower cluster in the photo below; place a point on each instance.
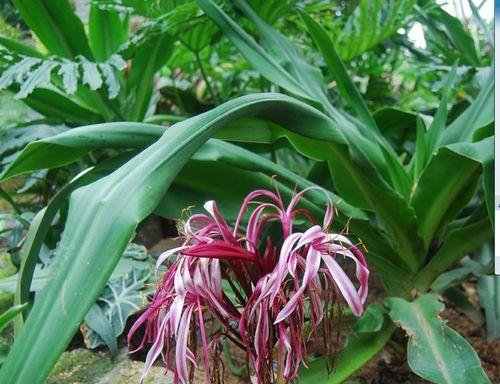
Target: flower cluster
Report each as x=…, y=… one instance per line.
x=269, y=294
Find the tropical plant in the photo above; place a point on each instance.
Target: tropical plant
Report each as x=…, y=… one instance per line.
x=418, y=205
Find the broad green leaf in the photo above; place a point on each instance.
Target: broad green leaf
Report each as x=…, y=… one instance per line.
x=447, y=176
x=435, y=351
x=56, y=25
x=106, y=32
x=69, y=146
x=373, y=183
x=53, y=104
x=103, y=216
x=457, y=244
x=121, y=298
x=220, y=151
x=41, y=223
x=7, y=316
x=97, y=325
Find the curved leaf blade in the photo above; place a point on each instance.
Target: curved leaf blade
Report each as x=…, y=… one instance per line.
x=435, y=351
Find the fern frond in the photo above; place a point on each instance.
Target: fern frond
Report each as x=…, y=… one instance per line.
x=31, y=72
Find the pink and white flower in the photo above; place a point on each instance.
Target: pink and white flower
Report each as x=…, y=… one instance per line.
x=279, y=294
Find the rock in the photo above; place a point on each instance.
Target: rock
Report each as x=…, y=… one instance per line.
x=83, y=366
x=6, y=267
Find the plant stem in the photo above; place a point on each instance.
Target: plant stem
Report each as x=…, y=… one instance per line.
x=205, y=78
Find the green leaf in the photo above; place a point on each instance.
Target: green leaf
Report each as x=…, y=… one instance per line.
x=7, y=316
x=435, y=351
x=103, y=216
x=363, y=150
x=69, y=146
x=479, y=114
x=107, y=32
x=255, y=55
x=19, y=48
x=56, y=25
x=147, y=60
x=53, y=104
x=420, y=150
x=458, y=166
x=338, y=70
x=360, y=348
x=39, y=77
x=41, y=223
x=453, y=30
x=458, y=243
x=121, y=298
x=99, y=328
x=369, y=23
x=439, y=122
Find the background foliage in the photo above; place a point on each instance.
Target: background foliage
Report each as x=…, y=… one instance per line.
x=123, y=110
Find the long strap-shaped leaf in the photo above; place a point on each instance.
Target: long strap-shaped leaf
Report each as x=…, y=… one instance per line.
x=258, y=57
x=458, y=165
x=476, y=116
x=65, y=148
x=338, y=70
x=102, y=219
x=56, y=25
x=42, y=221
